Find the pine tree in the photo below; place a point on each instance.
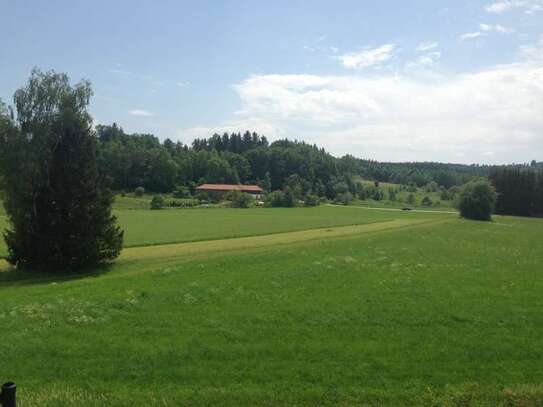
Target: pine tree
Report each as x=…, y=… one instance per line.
x=58, y=205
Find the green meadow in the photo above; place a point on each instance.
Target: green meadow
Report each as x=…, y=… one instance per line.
x=309, y=306
x=306, y=306
x=146, y=227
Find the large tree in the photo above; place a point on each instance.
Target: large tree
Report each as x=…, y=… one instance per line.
x=58, y=205
x=477, y=200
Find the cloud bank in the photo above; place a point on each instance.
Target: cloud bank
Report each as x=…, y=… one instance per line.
x=494, y=115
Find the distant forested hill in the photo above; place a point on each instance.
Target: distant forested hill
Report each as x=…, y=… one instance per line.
x=133, y=160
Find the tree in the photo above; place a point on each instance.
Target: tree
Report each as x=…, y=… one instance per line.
x=157, y=202
x=289, y=198
x=311, y=200
x=59, y=207
x=139, y=191
x=477, y=200
x=426, y=201
x=411, y=199
x=275, y=199
x=238, y=199
x=181, y=192
x=345, y=198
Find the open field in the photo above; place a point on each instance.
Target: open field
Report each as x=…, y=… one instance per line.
x=146, y=227
x=403, y=308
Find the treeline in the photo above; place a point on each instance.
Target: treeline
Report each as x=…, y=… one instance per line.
x=134, y=160
x=142, y=160
x=418, y=173
x=519, y=190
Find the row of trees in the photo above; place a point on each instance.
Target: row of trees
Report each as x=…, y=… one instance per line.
x=133, y=160
x=142, y=160
x=416, y=173
x=519, y=189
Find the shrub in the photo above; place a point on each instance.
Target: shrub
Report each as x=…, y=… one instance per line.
x=275, y=199
x=238, y=199
x=139, y=191
x=344, y=199
x=426, y=201
x=477, y=200
x=184, y=203
x=445, y=195
x=181, y=192
x=392, y=194
x=411, y=199
x=311, y=200
x=202, y=196
x=157, y=202
x=289, y=198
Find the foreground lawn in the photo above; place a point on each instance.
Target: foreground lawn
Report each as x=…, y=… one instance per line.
x=444, y=313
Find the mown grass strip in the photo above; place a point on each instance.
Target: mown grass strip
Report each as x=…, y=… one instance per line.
x=180, y=249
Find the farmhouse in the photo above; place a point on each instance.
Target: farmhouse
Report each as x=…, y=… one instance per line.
x=254, y=190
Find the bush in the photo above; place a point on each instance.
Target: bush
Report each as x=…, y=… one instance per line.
x=157, y=202
x=275, y=199
x=445, y=195
x=184, y=203
x=202, y=196
x=139, y=191
x=426, y=201
x=289, y=200
x=181, y=193
x=344, y=199
x=477, y=200
x=311, y=200
x=238, y=199
x=411, y=199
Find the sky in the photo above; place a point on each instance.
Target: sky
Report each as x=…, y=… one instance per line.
x=427, y=80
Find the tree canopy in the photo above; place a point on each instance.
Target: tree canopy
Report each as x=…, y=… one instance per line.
x=58, y=205
x=477, y=200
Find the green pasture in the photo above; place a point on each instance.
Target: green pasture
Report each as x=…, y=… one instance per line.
x=147, y=227
x=400, y=309
x=184, y=225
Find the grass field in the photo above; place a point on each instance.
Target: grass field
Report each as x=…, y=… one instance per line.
x=400, y=309
x=146, y=227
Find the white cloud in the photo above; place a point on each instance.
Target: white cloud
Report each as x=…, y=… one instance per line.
x=470, y=36
x=140, y=112
x=461, y=117
x=495, y=28
x=182, y=84
x=429, y=59
x=427, y=46
x=498, y=7
x=528, y=6
x=368, y=57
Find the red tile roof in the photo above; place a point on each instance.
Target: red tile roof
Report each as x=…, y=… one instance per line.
x=230, y=187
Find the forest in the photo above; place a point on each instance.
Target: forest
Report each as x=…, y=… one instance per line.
x=142, y=160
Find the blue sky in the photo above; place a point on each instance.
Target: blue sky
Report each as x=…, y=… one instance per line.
x=456, y=81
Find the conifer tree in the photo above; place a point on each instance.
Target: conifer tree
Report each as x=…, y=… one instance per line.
x=58, y=205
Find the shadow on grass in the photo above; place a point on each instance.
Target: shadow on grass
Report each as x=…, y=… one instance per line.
x=10, y=275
